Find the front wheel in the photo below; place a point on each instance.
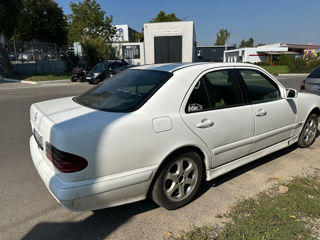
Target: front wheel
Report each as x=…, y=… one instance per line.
x=82, y=78
x=178, y=181
x=74, y=79
x=309, y=132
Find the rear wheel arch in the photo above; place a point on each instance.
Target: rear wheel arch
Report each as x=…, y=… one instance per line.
x=176, y=152
x=316, y=111
x=309, y=130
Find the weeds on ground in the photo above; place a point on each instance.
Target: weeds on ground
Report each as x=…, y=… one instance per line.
x=289, y=211
x=44, y=76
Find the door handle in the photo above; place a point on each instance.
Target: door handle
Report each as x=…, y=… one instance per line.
x=205, y=123
x=261, y=112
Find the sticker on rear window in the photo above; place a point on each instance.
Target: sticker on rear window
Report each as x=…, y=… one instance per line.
x=194, y=107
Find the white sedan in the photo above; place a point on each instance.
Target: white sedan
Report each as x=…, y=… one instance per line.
x=158, y=131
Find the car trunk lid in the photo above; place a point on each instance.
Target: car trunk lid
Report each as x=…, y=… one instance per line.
x=72, y=128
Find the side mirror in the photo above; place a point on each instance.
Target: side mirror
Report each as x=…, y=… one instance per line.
x=291, y=93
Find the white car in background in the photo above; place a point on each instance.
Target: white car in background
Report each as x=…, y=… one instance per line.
x=158, y=130
x=312, y=83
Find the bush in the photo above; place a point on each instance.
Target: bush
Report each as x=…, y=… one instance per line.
x=98, y=50
x=300, y=65
x=285, y=59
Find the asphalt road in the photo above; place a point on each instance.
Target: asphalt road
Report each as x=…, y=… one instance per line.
x=28, y=211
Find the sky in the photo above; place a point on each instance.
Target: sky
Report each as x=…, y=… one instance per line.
x=269, y=21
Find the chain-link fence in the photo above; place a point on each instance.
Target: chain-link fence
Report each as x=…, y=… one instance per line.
x=23, y=51
x=33, y=57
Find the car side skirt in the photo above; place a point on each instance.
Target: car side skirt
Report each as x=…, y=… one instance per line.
x=216, y=172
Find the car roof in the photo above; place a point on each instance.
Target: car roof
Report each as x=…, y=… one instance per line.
x=172, y=67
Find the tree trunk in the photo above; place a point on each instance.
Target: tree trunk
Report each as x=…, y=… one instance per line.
x=6, y=68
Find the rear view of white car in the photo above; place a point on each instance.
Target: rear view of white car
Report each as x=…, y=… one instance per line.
x=312, y=83
x=158, y=131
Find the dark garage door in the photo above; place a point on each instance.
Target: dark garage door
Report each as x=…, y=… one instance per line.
x=168, y=49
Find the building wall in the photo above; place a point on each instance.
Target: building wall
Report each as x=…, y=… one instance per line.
x=122, y=34
x=245, y=55
x=183, y=28
x=40, y=67
x=211, y=53
x=131, y=61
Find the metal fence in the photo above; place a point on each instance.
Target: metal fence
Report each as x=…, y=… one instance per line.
x=30, y=57
x=23, y=51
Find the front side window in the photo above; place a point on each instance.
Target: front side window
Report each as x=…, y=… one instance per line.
x=214, y=90
x=125, y=91
x=260, y=87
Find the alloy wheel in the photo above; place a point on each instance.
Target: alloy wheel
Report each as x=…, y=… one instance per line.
x=180, y=179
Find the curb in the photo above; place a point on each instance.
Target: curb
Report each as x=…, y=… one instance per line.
x=34, y=82
x=46, y=82
x=11, y=80
x=292, y=74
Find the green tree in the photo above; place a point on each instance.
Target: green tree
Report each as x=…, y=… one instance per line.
x=163, y=17
x=222, y=37
x=248, y=43
x=89, y=25
x=9, y=11
x=43, y=20
x=260, y=44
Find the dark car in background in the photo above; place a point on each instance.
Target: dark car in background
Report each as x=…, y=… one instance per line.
x=103, y=70
x=312, y=83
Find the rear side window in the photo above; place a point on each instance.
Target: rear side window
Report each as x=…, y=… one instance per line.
x=260, y=87
x=214, y=90
x=315, y=73
x=223, y=89
x=198, y=99
x=124, y=92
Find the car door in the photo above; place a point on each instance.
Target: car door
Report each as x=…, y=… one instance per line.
x=274, y=115
x=215, y=110
x=117, y=67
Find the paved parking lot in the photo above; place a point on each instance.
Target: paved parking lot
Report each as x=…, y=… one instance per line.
x=28, y=211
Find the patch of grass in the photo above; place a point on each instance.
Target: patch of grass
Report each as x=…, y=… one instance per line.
x=270, y=215
x=277, y=69
x=44, y=76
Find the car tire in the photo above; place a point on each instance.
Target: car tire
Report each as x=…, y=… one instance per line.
x=82, y=79
x=178, y=181
x=309, y=132
x=74, y=79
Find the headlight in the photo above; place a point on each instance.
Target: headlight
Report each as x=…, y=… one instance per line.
x=95, y=75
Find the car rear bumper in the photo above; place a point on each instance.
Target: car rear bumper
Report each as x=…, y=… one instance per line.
x=312, y=88
x=95, y=193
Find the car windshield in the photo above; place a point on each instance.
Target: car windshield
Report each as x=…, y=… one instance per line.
x=124, y=92
x=101, y=66
x=315, y=73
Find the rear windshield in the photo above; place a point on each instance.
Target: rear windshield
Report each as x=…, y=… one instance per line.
x=124, y=92
x=315, y=73
x=101, y=66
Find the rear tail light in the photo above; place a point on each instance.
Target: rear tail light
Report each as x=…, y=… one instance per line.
x=65, y=162
x=303, y=85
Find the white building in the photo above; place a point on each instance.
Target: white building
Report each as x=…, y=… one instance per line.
x=126, y=34
x=254, y=54
x=133, y=53
x=271, y=52
x=169, y=42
